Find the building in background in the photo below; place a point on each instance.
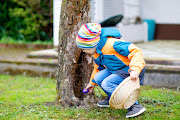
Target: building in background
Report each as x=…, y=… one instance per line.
x=165, y=13
x=56, y=21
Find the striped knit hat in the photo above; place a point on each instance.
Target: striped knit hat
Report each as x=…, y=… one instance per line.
x=88, y=36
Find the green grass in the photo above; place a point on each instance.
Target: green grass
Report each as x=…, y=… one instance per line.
x=28, y=98
x=9, y=40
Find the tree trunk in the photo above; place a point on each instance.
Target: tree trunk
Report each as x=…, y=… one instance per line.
x=74, y=66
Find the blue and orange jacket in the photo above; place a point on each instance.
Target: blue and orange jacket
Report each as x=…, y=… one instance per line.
x=116, y=55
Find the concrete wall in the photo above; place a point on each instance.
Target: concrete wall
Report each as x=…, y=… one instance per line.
x=97, y=11
x=158, y=78
x=163, y=11
x=56, y=20
x=104, y=9
x=112, y=8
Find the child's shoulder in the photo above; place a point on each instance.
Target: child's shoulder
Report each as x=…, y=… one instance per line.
x=113, y=41
x=109, y=46
x=118, y=43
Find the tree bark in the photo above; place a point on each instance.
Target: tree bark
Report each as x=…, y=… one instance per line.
x=74, y=66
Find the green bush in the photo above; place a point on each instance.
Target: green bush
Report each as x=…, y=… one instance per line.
x=26, y=19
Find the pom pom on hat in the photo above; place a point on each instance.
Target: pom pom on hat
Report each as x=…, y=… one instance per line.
x=88, y=36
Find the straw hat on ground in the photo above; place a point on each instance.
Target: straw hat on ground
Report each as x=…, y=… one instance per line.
x=125, y=95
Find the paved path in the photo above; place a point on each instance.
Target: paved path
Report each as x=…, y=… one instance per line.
x=161, y=50
x=153, y=50
x=20, y=55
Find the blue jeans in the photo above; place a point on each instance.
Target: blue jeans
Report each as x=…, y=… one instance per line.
x=108, y=81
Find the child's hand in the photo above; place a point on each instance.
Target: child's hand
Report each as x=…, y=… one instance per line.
x=134, y=75
x=90, y=87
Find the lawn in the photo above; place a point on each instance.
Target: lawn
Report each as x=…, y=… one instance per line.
x=10, y=40
x=32, y=98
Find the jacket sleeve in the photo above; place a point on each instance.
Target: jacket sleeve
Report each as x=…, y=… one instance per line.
x=95, y=71
x=137, y=62
x=97, y=67
x=135, y=55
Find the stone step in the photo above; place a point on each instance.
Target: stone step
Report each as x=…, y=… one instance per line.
x=159, y=67
x=46, y=54
x=31, y=67
x=162, y=62
x=162, y=75
x=156, y=75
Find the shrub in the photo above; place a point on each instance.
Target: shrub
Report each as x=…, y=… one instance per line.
x=26, y=19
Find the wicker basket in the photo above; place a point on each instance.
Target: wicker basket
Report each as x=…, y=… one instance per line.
x=125, y=95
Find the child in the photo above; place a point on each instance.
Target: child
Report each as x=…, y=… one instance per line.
x=115, y=60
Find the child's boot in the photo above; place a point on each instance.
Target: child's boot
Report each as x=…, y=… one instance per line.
x=135, y=110
x=104, y=103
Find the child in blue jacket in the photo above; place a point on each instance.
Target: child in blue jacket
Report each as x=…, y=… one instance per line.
x=114, y=60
